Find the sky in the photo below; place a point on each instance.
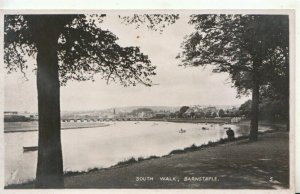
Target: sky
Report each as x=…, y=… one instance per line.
x=174, y=85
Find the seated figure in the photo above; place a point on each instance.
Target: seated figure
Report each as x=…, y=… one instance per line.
x=230, y=134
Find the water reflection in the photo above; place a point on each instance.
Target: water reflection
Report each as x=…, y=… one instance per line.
x=106, y=146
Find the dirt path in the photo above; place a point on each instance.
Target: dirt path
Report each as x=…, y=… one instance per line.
x=239, y=165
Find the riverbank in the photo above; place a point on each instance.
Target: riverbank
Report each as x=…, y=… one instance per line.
x=223, y=120
x=14, y=127
x=235, y=165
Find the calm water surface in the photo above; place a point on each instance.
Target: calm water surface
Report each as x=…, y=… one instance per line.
x=106, y=146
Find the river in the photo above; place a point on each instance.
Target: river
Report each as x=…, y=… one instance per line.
x=101, y=147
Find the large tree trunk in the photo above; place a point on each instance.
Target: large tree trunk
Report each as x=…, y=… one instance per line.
x=45, y=31
x=49, y=172
x=255, y=104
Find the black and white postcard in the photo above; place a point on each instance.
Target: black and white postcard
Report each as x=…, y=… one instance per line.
x=196, y=100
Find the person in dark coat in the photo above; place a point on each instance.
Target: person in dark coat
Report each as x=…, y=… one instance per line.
x=230, y=134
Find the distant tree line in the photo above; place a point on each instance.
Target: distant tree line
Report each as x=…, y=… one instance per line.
x=188, y=112
x=17, y=118
x=140, y=110
x=269, y=109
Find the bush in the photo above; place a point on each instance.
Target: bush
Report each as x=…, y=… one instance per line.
x=176, y=152
x=126, y=162
x=191, y=148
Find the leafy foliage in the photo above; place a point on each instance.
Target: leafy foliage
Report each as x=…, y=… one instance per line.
x=234, y=44
x=156, y=22
x=84, y=50
x=269, y=109
x=221, y=113
x=245, y=109
x=183, y=109
x=72, y=47
x=18, y=43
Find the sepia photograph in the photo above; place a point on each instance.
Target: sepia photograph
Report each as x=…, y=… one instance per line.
x=148, y=100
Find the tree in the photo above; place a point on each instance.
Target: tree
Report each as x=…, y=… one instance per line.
x=245, y=46
x=67, y=47
x=172, y=115
x=221, y=113
x=270, y=109
x=177, y=114
x=208, y=114
x=182, y=110
x=276, y=92
x=214, y=114
x=200, y=114
x=245, y=108
x=192, y=114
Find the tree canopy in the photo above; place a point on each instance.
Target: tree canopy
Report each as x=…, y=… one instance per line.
x=252, y=49
x=232, y=44
x=84, y=49
x=68, y=47
x=245, y=108
x=155, y=22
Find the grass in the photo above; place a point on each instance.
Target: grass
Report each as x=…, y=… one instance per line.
x=129, y=161
x=193, y=147
x=126, y=162
x=132, y=160
x=25, y=185
x=74, y=173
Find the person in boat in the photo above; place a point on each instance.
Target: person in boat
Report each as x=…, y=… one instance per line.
x=230, y=134
x=181, y=131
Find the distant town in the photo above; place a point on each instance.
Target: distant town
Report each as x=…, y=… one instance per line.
x=138, y=112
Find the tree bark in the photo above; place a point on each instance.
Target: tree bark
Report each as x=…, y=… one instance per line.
x=45, y=30
x=49, y=172
x=255, y=104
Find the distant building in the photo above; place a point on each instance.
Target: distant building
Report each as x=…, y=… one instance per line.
x=197, y=109
x=110, y=116
x=10, y=113
x=145, y=114
x=29, y=115
x=161, y=114
x=129, y=115
x=189, y=111
x=236, y=119
x=14, y=116
x=210, y=109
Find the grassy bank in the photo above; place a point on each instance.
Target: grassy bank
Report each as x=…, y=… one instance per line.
x=237, y=165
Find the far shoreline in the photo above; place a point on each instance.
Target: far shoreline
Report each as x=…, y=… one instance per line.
x=103, y=124
x=62, y=128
